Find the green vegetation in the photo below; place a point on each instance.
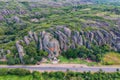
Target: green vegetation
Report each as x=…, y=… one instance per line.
x=76, y=61
x=68, y=75
x=95, y=53
x=49, y=17
x=17, y=71
x=20, y=17
x=32, y=54
x=14, y=77
x=111, y=58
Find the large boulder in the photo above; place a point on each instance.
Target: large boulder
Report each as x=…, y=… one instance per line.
x=51, y=45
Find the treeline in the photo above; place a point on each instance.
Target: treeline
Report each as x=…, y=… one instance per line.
x=94, y=53
x=68, y=75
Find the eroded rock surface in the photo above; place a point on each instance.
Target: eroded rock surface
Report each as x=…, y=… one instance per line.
x=20, y=51
x=61, y=38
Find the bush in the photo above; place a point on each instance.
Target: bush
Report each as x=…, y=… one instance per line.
x=94, y=53
x=36, y=75
x=43, y=53
x=38, y=58
x=11, y=61
x=58, y=75
x=70, y=53
x=3, y=71
x=18, y=71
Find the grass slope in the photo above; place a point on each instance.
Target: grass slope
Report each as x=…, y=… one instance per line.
x=76, y=61
x=111, y=58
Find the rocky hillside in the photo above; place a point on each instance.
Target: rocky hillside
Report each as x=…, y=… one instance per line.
x=61, y=38
x=33, y=30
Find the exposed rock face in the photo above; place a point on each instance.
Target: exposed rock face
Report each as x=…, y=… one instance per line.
x=35, y=37
x=1, y=18
x=67, y=31
x=26, y=39
x=50, y=44
x=40, y=44
x=8, y=11
x=20, y=50
x=61, y=38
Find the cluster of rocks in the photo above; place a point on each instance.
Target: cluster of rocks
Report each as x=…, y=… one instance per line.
x=15, y=18
x=58, y=39
x=9, y=12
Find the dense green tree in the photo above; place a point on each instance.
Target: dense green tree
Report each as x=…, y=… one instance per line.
x=31, y=49
x=17, y=61
x=37, y=75
x=70, y=53
x=43, y=53
x=11, y=61
x=27, y=59
x=38, y=58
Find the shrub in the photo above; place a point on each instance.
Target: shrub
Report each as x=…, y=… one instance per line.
x=18, y=71
x=3, y=71
x=11, y=61
x=36, y=75
x=58, y=74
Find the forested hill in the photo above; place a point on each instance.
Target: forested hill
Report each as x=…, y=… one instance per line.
x=30, y=31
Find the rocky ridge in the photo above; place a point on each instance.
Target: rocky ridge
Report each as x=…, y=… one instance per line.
x=58, y=39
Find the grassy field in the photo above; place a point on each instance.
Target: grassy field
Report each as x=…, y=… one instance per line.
x=111, y=58
x=76, y=61
x=12, y=77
